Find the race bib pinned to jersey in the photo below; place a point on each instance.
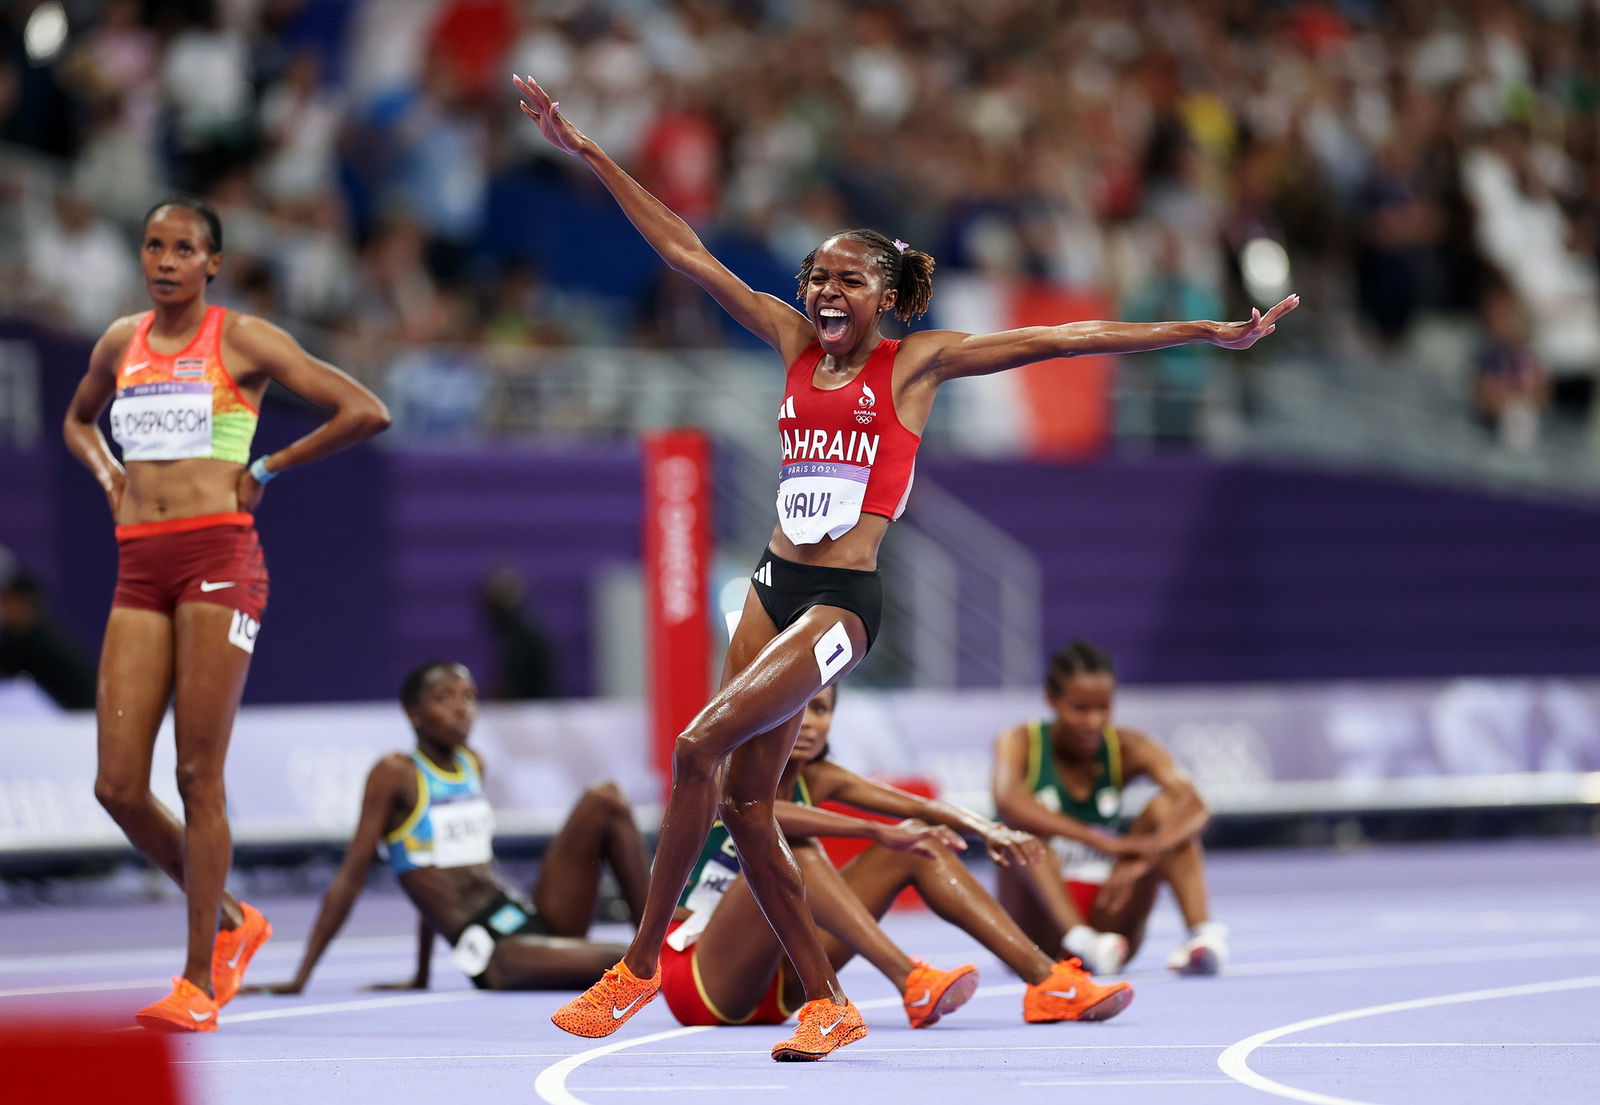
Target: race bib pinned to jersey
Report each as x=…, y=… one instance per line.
x=463, y=832
x=170, y=420
x=818, y=499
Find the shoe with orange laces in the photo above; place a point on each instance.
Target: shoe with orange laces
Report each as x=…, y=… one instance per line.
x=606, y=1006
x=824, y=1028
x=1069, y=994
x=230, y=955
x=931, y=993
x=187, y=1009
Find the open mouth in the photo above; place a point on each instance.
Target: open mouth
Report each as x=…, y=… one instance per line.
x=831, y=322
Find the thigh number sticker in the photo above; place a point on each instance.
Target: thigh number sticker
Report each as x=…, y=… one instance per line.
x=473, y=951
x=242, y=631
x=833, y=651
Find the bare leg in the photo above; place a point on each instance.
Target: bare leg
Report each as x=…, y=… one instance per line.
x=210, y=678
x=135, y=685
x=1037, y=899
x=600, y=827
x=737, y=954
x=951, y=891
x=852, y=928
x=548, y=963
x=774, y=677
x=1183, y=869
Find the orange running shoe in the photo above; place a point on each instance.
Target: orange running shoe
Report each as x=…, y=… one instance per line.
x=931, y=993
x=230, y=955
x=187, y=1009
x=605, y=1007
x=1069, y=994
x=824, y=1028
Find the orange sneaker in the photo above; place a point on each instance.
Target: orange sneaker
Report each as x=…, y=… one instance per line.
x=824, y=1028
x=1069, y=994
x=187, y=1009
x=605, y=1007
x=931, y=993
x=233, y=949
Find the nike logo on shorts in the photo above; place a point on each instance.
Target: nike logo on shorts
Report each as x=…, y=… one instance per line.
x=1069, y=995
x=927, y=996
x=207, y=585
x=201, y=1018
x=617, y=1014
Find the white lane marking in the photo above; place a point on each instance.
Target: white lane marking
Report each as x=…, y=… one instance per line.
x=1136, y=1082
x=703, y=1052
x=677, y=1089
x=551, y=1085
x=1235, y=1061
x=329, y=971
x=287, y=950
x=354, y=1006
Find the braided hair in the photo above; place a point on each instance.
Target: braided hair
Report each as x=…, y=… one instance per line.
x=1078, y=658
x=906, y=270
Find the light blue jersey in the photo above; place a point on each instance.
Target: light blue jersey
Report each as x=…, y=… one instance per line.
x=452, y=824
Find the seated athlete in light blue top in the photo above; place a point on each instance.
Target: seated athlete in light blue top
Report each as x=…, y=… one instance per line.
x=428, y=807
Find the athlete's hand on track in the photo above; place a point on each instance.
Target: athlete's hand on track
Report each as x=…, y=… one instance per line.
x=249, y=491
x=1242, y=335
x=1011, y=846
x=918, y=838
x=538, y=106
x=275, y=988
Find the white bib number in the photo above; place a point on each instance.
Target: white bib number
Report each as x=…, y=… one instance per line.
x=463, y=833
x=166, y=421
x=1079, y=862
x=818, y=499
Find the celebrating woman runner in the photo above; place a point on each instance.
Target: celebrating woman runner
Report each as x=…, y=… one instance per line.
x=854, y=407
x=184, y=381
x=428, y=808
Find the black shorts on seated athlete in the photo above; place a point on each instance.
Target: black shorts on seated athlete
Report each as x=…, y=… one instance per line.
x=787, y=590
x=501, y=918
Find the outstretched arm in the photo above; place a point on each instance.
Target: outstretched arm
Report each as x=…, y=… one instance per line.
x=767, y=317
x=947, y=355
x=1005, y=845
x=384, y=783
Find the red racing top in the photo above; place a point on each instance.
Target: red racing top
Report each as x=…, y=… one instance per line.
x=845, y=451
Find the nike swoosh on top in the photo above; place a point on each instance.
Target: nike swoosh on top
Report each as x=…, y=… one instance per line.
x=1069, y=995
x=927, y=996
x=207, y=585
x=201, y=1016
x=834, y=1025
x=131, y=369
x=618, y=1014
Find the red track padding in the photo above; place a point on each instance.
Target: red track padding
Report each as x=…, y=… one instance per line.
x=86, y=1061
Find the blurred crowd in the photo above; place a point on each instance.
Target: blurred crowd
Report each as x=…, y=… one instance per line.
x=1426, y=175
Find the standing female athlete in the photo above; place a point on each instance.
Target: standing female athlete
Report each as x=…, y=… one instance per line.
x=854, y=407
x=184, y=381
x=721, y=965
x=429, y=810
x=1061, y=779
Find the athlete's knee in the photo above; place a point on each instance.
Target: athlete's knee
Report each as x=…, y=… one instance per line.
x=200, y=784
x=694, y=755
x=746, y=816
x=120, y=797
x=607, y=798
x=1154, y=815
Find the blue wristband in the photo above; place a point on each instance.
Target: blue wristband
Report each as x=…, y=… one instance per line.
x=260, y=472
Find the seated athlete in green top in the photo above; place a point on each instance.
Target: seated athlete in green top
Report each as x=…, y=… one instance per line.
x=1061, y=779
